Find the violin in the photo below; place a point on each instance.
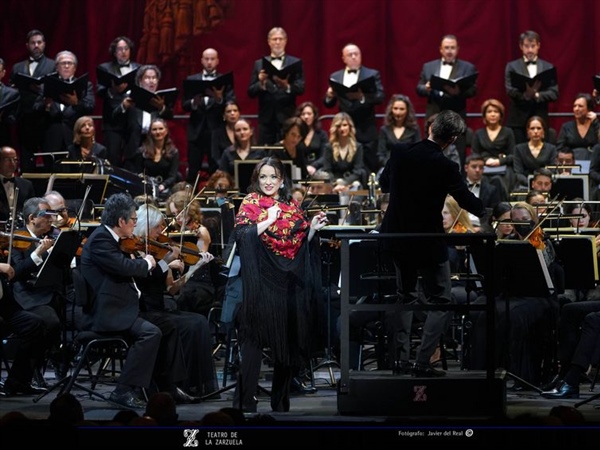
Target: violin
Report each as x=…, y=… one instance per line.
x=160, y=248
x=459, y=228
x=536, y=238
x=21, y=239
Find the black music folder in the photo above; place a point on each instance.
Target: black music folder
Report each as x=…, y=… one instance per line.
x=191, y=88
x=547, y=78
x=23, y=82
x=108, y=79
x=142, y=97
x=285, y=71
x=596, y=79
x=463, y=83
x=54, y=87
x=367, y=86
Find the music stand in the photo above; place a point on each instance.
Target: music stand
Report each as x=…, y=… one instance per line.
x=53, y=274
x=578, y=256
x=521, y=272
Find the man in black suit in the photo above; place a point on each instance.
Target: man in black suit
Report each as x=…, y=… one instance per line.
x=28, y=329
x=206, y=115
x=9, y=99
x=30, y=123
x=534, y=100
x=452, y=97
x=416, y=202
x=359, y=105
x=276, y=96
x=60, y=114
x=113, y=126
x=481, y=187
x=8, y=167
x=38, y=300
x=116, y=307
x=138, y=121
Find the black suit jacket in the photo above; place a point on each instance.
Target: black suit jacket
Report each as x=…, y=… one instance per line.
x=7, y=95
x=439, y=100
x=207, y=117
x=363, y=114
x=521, y=109
x=420, y=177
x=488, y=193
x=59, y=123
x=28, y=98
x=274, y=103
x=111, y=101
x=26, y=191
x=26, y=270
x=109, y=274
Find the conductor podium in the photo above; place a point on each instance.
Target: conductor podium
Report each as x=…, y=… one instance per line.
x=460, y=393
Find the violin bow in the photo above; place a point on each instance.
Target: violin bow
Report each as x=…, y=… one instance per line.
x=546, y=215
x=147, y=215
x=13, y=215
x=80, y=212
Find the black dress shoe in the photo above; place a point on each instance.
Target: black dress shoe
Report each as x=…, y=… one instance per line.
x=553, y=383
x=128, y=400
x=298, y=386
x=183, y=398
x=563, y=390
x=426, y=371
x=12, y=387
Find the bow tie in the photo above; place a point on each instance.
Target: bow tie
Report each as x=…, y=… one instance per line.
x=210, y=75
x=33, y=60
x=447, y=63
x=527, y=63
x=472, y=185
x=11, y=180
x=353, y=71
x=276, y=58
x=124, y=64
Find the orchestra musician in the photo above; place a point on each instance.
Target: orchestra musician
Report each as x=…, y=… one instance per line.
x=40, y=301
x=185, y=362
x=8, y=167
x=205, y=288
x=529, y=318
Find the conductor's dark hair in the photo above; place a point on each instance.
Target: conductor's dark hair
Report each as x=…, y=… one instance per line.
x=118, y=206
x=113, y=45
x=447, y=125
x=285, y=191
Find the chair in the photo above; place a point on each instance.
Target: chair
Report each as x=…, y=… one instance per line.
x=99, y=349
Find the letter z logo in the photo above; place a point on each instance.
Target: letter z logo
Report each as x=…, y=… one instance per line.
x=420, y=395
x=190, y=435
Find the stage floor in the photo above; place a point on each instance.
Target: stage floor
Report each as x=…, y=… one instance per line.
x=316, y=416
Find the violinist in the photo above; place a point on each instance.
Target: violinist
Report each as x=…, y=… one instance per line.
x=57, y=204
x=196, y=372
x=29, y=329
x=530, y=318
x=500, y=214
x=40, y=301
x=206, y=287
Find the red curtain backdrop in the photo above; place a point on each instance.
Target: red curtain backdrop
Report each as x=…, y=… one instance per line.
x=395, y=36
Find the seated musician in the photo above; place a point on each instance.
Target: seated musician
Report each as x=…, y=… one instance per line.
x=28, y=328
x=8, y=166
x=115, y=308
x=220, y=182
x=85, y=148
x=500, y=214
x=27, y=262
x=185, y=363
x=57, y=204
x=205, y=288
x=529, y=318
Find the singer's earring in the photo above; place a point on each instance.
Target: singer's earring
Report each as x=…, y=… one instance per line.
x=282, y=186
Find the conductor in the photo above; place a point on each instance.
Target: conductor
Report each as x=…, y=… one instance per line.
x=420, y=177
